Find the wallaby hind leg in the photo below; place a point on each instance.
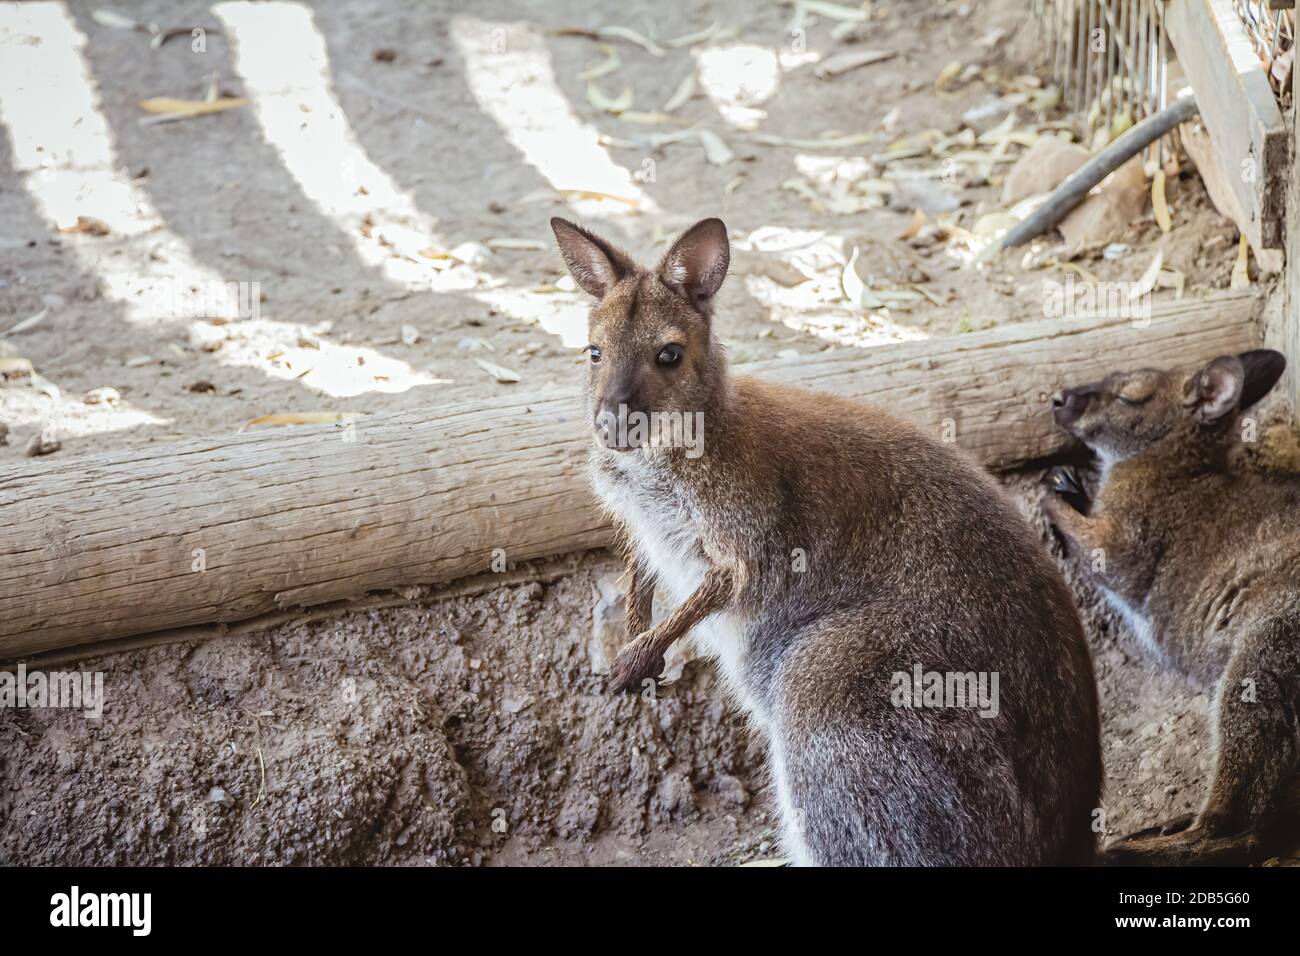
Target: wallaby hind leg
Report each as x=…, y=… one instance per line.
x=1256, y=733
x=1256, y=738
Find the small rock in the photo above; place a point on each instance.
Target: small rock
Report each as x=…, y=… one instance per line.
x=201, y=387
x=1042, y=168
x=39, y=446
x=410, y=334
x=384, y=55
x=923, y=194
x=513, y=705
x=217, y=795
x=731, y=791
x=1110, y=208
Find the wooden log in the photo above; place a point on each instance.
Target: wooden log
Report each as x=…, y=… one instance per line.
x=1239, y=110
x=226, y=528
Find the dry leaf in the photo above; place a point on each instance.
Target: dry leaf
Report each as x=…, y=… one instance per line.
x=685, y=90
x=854, y=288
x=88, y=225
x=525, y=245
x=631, y=36
x=1172, y=279
x=844, y=62
x=27, y=323
x=110, y=18
x=498, y=372
x=715, y=150
x=169, y=110
x=604, y=67
x=1241, y=269
x=1148, y=280
x=699, y=36
x=1158, y=203
x=603, y=102
x=648, y=118
x=302, y=418
x=828, y=142
x=1078, y=270
x=947, y=75
x=918, y=221
x=834, y=11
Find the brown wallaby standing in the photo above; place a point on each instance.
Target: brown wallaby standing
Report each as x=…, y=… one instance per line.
x=826, y=554
x=1203, y=563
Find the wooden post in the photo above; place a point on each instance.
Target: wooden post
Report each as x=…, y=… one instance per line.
x=227, y=528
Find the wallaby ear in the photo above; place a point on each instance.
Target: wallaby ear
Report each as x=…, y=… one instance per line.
x=595, y=264
x=1263, y=368
x=697, y=262
x=1215, y=390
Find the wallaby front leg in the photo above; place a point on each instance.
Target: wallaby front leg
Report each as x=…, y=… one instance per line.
x=644, y=657
x=1081, y=532
x=640, y=599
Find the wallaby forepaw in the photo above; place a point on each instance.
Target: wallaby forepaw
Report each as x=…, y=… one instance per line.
x=1064, y=481
x=634, y=664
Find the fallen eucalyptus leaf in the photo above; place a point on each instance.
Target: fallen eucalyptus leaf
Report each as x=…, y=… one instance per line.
x=498, y=372
x=842, y=63
x=1158, y=204
x=1241, y=268
x=602, y=102
x=604, y=67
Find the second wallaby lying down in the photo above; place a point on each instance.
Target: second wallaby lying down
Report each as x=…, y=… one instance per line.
x=827, y=554
x=1204, y=565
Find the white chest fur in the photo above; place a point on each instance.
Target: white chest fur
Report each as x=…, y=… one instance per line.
x=665, y=532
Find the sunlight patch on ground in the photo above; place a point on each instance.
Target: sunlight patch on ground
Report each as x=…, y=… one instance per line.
x=281, y=57
x=737, y=79
x=508, y=70
x=66, y=157
x=560, y=313
x=285, y=351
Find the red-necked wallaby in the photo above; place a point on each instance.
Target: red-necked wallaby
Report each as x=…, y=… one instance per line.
x=1203, y=563
x=880, y=611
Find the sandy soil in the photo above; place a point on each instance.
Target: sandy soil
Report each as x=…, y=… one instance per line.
x=472, y=730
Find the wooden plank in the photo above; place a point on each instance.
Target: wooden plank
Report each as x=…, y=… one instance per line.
x=1239, y=111
x=227, y=528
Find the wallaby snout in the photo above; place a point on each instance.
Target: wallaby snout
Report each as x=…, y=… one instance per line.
x=1070, y=403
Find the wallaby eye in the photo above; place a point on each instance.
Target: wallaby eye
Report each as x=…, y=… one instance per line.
x=595, y=354
x=669, y=355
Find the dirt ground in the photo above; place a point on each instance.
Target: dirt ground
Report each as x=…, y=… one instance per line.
x=472, y=730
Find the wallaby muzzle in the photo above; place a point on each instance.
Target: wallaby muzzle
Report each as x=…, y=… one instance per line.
x=1069, y=404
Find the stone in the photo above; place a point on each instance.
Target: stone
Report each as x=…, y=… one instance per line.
x=1042, y=168
x=1110, y=209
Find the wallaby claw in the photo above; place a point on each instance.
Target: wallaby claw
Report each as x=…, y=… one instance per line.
x=1064, y=481
x=635, y=663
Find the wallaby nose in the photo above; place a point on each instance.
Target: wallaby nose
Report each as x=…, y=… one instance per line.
x=617, y=418
x=1067, y=405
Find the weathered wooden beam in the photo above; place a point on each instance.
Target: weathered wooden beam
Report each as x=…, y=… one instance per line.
x=226, y=528
x=1239, y=111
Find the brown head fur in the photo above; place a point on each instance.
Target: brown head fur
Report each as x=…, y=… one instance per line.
x=652, y=348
